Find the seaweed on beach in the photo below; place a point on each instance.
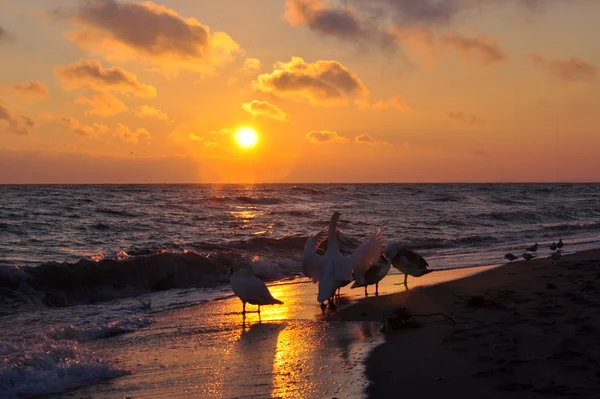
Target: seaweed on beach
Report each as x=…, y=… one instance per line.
x=402, y=318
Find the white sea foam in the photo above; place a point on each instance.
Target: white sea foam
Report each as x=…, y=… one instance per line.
x=30, y=368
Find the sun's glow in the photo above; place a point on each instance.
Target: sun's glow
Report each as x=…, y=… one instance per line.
x=246, y=137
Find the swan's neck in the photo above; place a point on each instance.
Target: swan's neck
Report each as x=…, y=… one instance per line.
x=332, y=242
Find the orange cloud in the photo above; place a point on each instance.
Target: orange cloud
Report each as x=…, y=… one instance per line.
x=321, y=82
x=325, y=136
x=572, y=69
x=396, y=102
x=463, y=118
x=90, y=74
x=32, y=89
x=150, y=33
x=4, y=35
x=264, y=108
x=129, y=136
x=94, y=131
x=366, y=139
x=251, y=65
x=148, y=112
x=102, y=104
x=18, y=124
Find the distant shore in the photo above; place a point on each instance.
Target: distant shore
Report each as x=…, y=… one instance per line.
x=524, y=329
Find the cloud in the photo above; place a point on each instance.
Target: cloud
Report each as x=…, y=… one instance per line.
x=90, y=74
x=129, y=136
x=321, y=82
x=102, y=104
x=423, y=45
x=4, y=35
x=18, y=124
x=148, y=112
x=396, y=102
x=264, y=108
x=572, y=69
x=94, y=131
x=251, y=65
x=463, y=118
x=480, y=49
x=32, y=89
x=150, y=33
x=366, y=139
x=98, y=131
x=325, y=136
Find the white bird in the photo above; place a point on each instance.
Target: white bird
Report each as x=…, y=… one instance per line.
x=527, y=256
x=556, y=256
x=251, y=289
x=375, y=274
x=337, y=269
x=560, y=244
x=510, y=257
x=407, y=261
x=312, y=263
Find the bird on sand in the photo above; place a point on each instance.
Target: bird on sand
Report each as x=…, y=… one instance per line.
x=510, y=257
x=556, y=256
x=375, y=274
x=528, y=256
x=406, y=261
x=560, y=244
x=533, y=248
x=250, y=289
x=337, y=269
x=553, y=246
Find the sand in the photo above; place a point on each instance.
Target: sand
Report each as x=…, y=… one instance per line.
x=522, y=330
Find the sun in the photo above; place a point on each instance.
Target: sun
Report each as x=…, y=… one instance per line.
x=246, y=137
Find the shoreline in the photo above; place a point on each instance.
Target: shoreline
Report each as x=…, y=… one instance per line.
x=522, y=328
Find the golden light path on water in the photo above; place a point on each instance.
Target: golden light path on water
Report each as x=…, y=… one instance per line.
x=211, y=351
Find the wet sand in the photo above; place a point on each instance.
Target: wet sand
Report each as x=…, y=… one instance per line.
x=525, y=329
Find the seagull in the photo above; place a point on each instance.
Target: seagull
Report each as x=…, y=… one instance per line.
x=407, y=261
x=250, y=289
x=560, y=244
x=556, y=256
x=510, y=257
x=533, y=248
x=553, y=246
x=337, y=269
x=375, y=274
x=528, y=256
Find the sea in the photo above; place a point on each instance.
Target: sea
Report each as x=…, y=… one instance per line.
x=86, y=263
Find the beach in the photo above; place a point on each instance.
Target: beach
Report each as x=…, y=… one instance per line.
x=525, y=329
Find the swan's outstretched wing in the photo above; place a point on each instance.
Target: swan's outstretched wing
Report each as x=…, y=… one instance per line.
x=312, y=263
x=365, y=255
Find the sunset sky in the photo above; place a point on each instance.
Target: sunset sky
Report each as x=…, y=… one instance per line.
x=106, y=91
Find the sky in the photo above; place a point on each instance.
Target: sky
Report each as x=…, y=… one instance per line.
x=107, y=91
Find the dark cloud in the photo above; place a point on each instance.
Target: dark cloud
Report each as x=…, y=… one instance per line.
x=463, y=118
x=321, y=82
x=4, y=35
x=92, y=75
x=339, y=22
x=480, y=49
x=572, y=69
x=30, y=89
x=18, y=124
x=149, y=32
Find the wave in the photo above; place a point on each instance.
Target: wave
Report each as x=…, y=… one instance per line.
x=42, y=367
x=115, y=212
x=244, y=199
x=307, y=190
x=98, y=330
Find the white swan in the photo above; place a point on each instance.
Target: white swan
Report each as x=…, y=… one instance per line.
x=375, y=274
x=407, y=261
x=251, y=289
x=312, y=265
x=337, y=269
